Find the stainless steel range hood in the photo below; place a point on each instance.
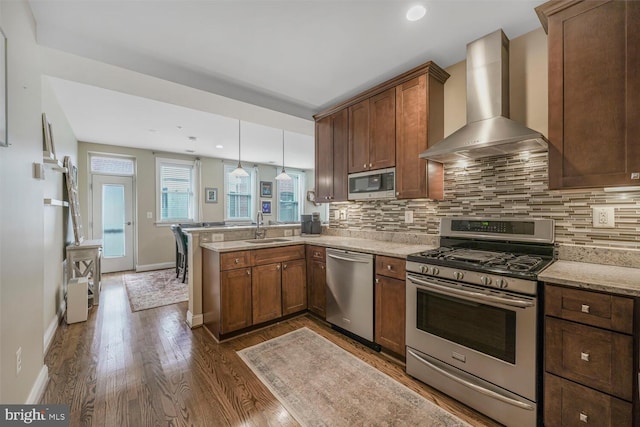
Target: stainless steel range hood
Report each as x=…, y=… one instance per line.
x=489, y=131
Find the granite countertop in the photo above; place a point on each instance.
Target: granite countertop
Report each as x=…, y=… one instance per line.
x=596, y=277
x=376, y=247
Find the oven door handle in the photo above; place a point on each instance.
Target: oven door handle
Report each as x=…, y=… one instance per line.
x=469, y=295
x=471, y=385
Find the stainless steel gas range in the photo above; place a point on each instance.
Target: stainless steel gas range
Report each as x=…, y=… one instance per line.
x=472, y=314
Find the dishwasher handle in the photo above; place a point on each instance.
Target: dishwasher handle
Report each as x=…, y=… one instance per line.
x=364, y=261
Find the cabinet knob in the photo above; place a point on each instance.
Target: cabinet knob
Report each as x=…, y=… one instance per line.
x=389, y=267
x=278, y=267
x=585, y=308
x=377, y=280
x=364, y=166
x=237, y=260
x=284, y=266
x=584, y=418
x=322, y=267
x=248, y=272
x=370, y=164
x=584, y=356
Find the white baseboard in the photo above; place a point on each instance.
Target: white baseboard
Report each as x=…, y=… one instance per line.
x=151, y=267
x=37, y=391
x=53, y=327
x=194, y=321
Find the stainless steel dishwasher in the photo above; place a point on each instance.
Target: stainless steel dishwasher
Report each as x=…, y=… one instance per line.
x=350, y=292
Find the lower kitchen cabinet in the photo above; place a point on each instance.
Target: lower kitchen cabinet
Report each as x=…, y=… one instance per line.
x=317, y=280
x=235, y=297
x=266, y=292
x=390, y=304
x=294, y=286
x=588, y=358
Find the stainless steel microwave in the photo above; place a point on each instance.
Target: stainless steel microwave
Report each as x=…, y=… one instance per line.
x=376, y=184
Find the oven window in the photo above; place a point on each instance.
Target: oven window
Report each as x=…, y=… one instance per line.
x=487, y=329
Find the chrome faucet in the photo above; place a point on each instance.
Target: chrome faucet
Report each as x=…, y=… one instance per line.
x=260, y=233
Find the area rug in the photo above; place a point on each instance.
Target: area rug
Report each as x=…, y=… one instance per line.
x=321, y=384
x=155, y=289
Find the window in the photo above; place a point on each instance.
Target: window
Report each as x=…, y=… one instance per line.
x=176, y=195
x=112, y=165
x=239, y=195
x=289, y=196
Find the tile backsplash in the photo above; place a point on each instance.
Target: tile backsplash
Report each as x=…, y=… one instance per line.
x=511, y=186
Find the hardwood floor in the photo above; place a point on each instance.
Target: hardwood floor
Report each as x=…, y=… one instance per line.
x=149, y=368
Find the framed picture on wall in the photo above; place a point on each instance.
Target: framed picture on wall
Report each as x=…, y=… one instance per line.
x=266, y=207
x=211, y=195
x=266, y=188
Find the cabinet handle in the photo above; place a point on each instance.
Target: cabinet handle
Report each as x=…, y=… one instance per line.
x=248, y=272
x=585, y=308
x=278, y=267
x=635, y=175
x=370, y=164
x=377, y=280
x=322, y=267
x=389, y=267
x=284, y=266
x=584, y=356
x=584, y=418
x=237, y=260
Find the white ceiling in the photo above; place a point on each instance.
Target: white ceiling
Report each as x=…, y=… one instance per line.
x=293, y=56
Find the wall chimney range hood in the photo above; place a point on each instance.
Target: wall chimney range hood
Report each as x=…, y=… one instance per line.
x=489, y=131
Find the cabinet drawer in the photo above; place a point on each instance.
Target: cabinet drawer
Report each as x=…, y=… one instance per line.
x=231, y=260
x=568, y=404
x=593, y=357
x=591, y=308
x=316, y=253
x=390, y=267
x=271, y=255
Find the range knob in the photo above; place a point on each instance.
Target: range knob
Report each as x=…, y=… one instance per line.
x=502, y=283
x=435, y=271
x=423, y=269
x=458, y=275
x=485, y=280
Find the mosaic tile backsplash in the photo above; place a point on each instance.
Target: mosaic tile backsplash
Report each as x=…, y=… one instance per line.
x=511, y=186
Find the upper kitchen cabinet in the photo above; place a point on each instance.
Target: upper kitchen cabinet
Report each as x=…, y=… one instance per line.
x=372, y=127
x=594, y=107
x=331, y=157
x=390, y=125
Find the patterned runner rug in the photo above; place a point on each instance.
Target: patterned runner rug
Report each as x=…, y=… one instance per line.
x=155, y=289
x=321, y=384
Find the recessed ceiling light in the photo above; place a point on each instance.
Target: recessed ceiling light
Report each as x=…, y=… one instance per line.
x=416, y=12
x=219, y=146
x=190, y=151
x=192, y=138
x=179, y=127
x=153, y=130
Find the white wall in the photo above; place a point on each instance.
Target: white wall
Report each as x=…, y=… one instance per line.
x=21, y=211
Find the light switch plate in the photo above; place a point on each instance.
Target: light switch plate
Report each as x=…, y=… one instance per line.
x=408, y=217
x=604, y=217
x=336, y=214
x=149, y=215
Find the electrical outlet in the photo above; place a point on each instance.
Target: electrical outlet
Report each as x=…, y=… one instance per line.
x=217, y=237
x=343, y=214
x=604, y=217
x=149, y=215
x=288, y=233
x=336, y=214
x=408, y=217
x=18, y=360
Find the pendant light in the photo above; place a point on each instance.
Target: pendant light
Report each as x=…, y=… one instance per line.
x=239, y=171
x=283, y=175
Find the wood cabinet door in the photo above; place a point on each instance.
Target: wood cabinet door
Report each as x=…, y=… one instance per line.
x=359, y=137
x=390, y=312
x=235, y=297
x=316, y=284
x=419, y=124
x=266, y=292
x=340, y=134
x=294, y=286
x=324, y=160
x=382, y=133
x=594, y=57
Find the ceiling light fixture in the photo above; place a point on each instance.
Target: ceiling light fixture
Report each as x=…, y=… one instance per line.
x=416, y=12
x=219, y=146
x=283, y=175
x=239, y=171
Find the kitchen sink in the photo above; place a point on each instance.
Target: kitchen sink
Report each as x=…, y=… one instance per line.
x=258, y=241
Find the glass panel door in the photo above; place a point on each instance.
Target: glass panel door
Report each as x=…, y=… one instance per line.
x=113, y=220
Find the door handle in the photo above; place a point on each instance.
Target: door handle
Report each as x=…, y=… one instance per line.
x=129, y=223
